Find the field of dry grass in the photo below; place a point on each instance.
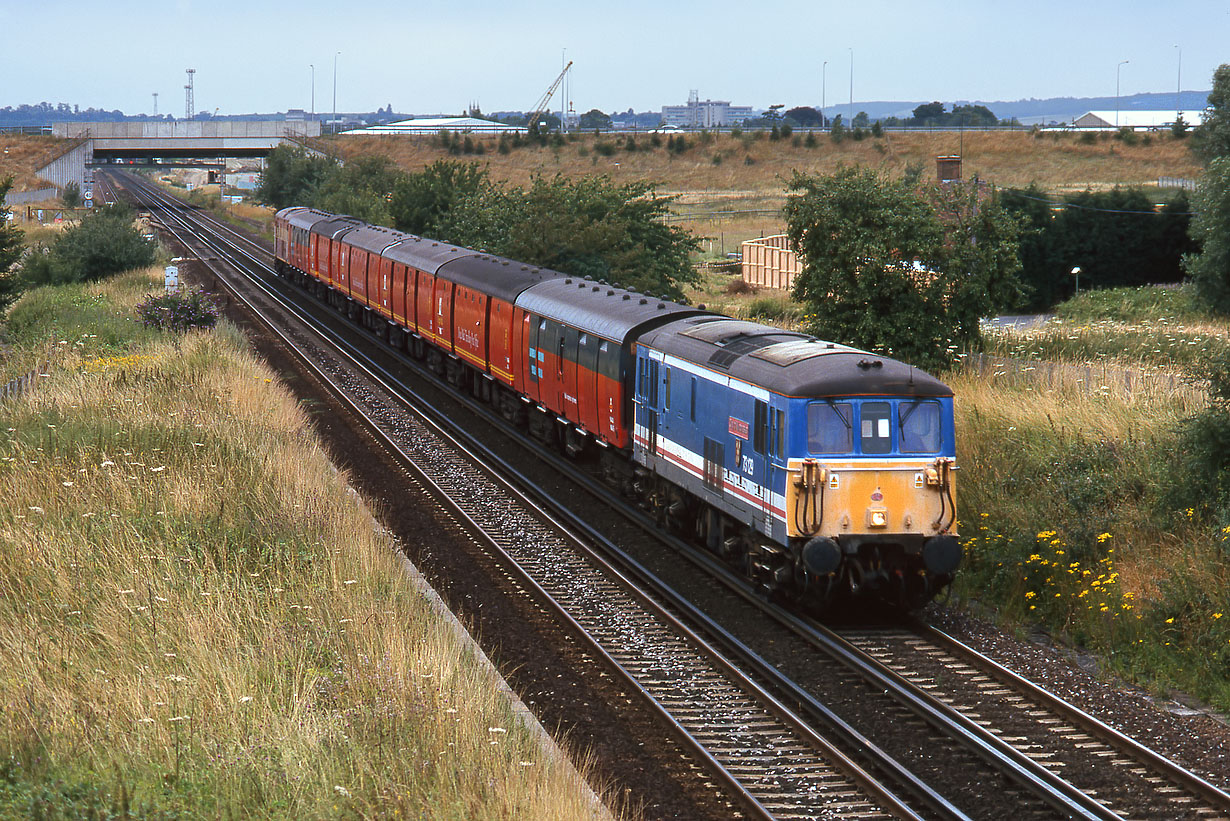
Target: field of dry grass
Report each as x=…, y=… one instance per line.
x=23, y=154
x=197, y=617
x=1058, y=161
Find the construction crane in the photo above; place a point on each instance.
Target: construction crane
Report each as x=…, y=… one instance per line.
x=541, y=107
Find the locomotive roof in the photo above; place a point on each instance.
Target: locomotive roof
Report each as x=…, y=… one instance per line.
x=374, y=238
x=424, y=254
x=786, y=362
x=302, y=217
x=495, y=276
x=604, y=310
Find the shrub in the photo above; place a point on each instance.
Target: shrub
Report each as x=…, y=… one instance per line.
x=72, y=195
x=1127, y=136
x=787, y=129
x=630, y=144
x=104, y=243
x=736, y=133
x=178, y=311
x=810, y=140
x=604, y=149
x=1088, y=138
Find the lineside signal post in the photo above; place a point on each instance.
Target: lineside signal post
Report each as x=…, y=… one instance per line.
x=172, y=278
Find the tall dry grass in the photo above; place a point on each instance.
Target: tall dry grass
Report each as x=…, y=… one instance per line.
x=1067, y=516
x=198, y=618
x=1013, y=158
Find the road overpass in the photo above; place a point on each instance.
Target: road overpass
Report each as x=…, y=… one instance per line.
x=168, y=143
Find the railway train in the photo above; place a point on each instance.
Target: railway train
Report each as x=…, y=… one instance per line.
x=823, y=473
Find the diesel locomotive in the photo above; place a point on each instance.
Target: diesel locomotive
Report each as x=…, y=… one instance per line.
x=823, y=473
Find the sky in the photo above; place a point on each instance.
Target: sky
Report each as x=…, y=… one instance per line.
x=431, y=56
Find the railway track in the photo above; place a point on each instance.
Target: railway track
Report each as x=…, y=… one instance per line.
x=689, y=695
x=774, y=761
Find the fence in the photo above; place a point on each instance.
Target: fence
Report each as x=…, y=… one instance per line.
x=16, y=387
x=39, y=195
x=1176, y=182
x=769, y=262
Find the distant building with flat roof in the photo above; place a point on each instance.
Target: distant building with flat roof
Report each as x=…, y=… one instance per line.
x=434, y=125
x=698, y=113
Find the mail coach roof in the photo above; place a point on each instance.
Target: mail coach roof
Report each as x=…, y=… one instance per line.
x=495, y=276
x=788, y=363
x=335, y=227
x=301, y=217
x=426, y=255
x=595, y=308
x=373, y=238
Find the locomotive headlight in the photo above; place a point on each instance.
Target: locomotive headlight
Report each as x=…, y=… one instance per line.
x=877, y=517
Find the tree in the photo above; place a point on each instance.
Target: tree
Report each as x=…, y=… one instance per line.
x=971, y=116
x=10, y=249
x=587, y=227
x=1179, y=128
x=929, y=111
x=421, y=202
x=861, y=120
x=71, y=197
x=292, y=176
x=1211, y=138
x=879, y=273
x=362, y=188
x=104, y=243
x=595, y=119
x=1210, y=270
x=805, y=116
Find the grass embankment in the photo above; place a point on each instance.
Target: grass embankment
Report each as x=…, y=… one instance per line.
x=196, y=617
x=748, y=172
x=1070, y=492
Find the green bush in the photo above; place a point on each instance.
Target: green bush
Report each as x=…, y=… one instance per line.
x=604, y=149
x=105, y=242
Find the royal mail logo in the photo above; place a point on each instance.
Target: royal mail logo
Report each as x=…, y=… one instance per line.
x=738, y=427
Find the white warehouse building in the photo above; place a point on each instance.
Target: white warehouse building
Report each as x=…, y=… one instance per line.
x=705, y=114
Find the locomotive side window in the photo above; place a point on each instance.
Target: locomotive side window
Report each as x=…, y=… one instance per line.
x=693, y=411
x=876, y=429
x=778, y=441
x=920, y=427
x=667, y=388
x=829, y=428
x=760, y=434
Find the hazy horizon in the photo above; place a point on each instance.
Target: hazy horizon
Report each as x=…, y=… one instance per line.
x=255, y=57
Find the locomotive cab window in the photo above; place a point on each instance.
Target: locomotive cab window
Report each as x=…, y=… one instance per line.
x=876, y=431
x=829, y=427
x=920, y=427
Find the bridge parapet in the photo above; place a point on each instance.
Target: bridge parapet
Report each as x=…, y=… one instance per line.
x=189, y=129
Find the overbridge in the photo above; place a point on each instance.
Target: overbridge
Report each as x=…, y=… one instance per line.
x=183, y=142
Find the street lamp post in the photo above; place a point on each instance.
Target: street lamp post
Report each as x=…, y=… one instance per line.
x=313, y=68
x=824, y=90
x=851, y=87
x=1178, y=84
x=333, y=130
x=1122, y=63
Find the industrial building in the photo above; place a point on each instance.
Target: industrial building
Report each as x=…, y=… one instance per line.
x=705, y=114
